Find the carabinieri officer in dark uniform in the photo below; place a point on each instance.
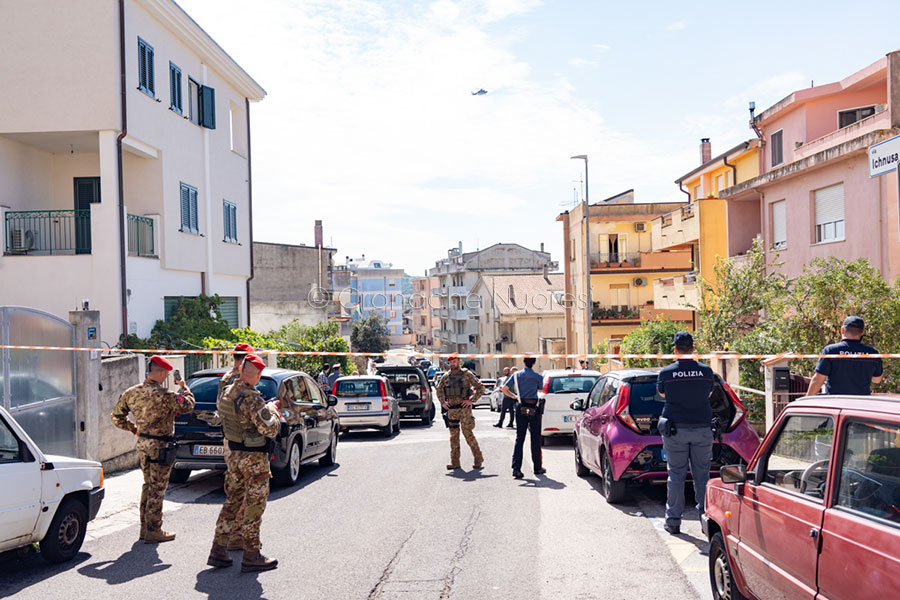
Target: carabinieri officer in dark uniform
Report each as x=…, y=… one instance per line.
x=686, y=427
x=523, y=386
x=853, y=376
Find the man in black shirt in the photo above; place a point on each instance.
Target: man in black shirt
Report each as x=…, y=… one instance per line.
x=852, y=376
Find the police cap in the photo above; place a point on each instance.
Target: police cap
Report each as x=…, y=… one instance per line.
x=855, y=322
x=683, y=339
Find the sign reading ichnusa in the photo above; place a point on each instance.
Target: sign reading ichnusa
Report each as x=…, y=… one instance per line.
x=884, y=157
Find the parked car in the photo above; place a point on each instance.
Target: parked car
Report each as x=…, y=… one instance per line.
x=435, y=377
x=367, y=402
x=489, y=386
x=561, y=388
x=497, y=398
x=46, y=499
x=616, y=436
x=299, y=441
x=816, y=512
x=412, y=391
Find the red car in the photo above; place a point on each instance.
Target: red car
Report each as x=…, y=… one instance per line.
x=816, y=512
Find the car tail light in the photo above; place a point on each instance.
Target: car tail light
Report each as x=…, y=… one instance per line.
x=334, y=389
x=385, y=401
x=547, y=384
x=622, y=408
x=739, y=410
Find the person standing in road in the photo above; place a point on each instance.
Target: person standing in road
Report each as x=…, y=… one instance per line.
x=323, y=378
x=509, y=403
x=505, y=402
x=523, y=387
x=247, y=424
x=853, y=376
x=335, y=375
x=686, y=427
x=457, y=391
x=153, y=408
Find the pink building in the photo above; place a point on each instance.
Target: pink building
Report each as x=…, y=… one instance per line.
x=813, y=197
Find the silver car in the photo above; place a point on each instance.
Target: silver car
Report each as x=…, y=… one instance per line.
x=367, y=402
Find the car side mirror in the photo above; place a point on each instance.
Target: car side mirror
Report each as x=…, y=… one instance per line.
x=577, y=405
x=332, y=400
x=733, y=474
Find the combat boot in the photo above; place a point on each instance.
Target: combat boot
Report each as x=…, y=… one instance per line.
x=155, y=537
x=453, y=467
x=143, y=533
x=218, y=557
x=235, y=543
x=254, y=561
x=479, y=464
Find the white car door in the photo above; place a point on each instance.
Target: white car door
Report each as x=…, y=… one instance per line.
x=20, y=502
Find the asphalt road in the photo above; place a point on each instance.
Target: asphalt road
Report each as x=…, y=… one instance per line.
x=390, y=522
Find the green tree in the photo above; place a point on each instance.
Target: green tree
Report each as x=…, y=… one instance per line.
x=370, y=335
x=653, y=337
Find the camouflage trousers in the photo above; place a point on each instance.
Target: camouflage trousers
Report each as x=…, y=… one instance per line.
x=247, y=486
x=156, y=479
x=461, y=418
x=239, y=514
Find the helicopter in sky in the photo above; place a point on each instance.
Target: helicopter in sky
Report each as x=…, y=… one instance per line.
x=480, y=92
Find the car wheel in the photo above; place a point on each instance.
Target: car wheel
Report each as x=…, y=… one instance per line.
x=331, y=456
x=388, y=430
x=580, y=469
x=397, y=426
x=289, y=475
x=428, y=417
x=720, y=577
x=613, y=491
x=179, y=475
x=66, y=532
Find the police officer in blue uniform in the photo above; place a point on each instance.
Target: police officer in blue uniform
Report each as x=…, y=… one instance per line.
x=685, y=426
x=523, y=386
x=853, y=376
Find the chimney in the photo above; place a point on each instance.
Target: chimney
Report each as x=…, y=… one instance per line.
x=542, y=246
x=318, y=233
x=705, y=150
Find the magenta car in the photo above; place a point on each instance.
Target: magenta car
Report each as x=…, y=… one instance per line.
x=616, y=437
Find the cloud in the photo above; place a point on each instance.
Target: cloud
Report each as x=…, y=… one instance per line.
x=676, y=26
x=582, y=62
x=601, y=48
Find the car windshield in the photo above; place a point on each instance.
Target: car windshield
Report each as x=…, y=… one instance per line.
x=645, y=401
x=358, y=387
x=571, y=384
x=206, y=389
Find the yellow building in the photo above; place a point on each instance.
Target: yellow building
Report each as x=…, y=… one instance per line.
x=623, y=270
x=707, y=227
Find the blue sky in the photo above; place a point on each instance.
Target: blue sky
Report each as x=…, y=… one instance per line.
x=370, y=124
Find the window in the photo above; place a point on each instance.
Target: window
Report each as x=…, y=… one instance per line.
x=777, y=143
x=238, y=118
x=189, y=209
x=720, y=184
x=779, y=226
x=145, y=68
x=10, y=449
x=848, y=117
x=229, y=210
x=798, y=461
x=597, y=392
x=728, y=182
x=174, y=88
x=829, y=213
x=698, y=191
x=193, y=101
x=228, y=308
x=870, y=471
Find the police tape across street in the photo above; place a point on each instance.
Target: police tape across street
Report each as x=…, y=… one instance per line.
x=404, y=354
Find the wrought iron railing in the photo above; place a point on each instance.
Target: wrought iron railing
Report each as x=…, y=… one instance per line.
x=44, y=232
x=616, y=259
x=140, y=236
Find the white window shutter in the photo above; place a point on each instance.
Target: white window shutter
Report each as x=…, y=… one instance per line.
x=779, y=223
x=829, y=204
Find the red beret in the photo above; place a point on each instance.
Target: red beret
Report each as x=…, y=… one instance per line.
x=452, y=356
x=242, y=347
x=255, y=361
x=159, y=360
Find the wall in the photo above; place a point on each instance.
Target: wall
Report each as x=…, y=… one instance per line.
x=743, y=224
x=117, y=447
x=713, y=237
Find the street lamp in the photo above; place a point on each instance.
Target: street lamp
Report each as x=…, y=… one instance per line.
x=587, y=253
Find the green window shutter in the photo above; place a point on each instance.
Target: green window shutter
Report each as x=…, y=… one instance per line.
x=234, y=223
x=169, y=303
x=185, y=208
x=150, y=79
x=207, y=107
x=193, y=205
x=229, y=310
x=226, y=216
x=175, y=88
x=142, y=64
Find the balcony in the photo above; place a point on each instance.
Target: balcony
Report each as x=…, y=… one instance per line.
x=435, y=292
x=473, y=312
x=458, y=290
x=615, y=315
x=612, y=260
x=678, y=229
x=47, y=232
x=457, y=338
x=678, y=260
x=140, y=236
x=676, y=293
x=459, y=314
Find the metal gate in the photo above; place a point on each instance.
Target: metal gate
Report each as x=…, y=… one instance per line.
x=38, y=386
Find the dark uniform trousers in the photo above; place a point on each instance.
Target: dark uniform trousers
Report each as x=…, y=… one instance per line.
x=531, y=425
x=508, y=406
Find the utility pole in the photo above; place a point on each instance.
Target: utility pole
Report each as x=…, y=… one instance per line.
x=587, y=254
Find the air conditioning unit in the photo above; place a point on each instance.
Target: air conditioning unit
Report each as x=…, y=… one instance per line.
x=640, y=227
x=22, y=240
x=639, y=281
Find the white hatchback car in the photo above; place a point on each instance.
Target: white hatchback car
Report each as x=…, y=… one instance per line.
x=562, y=388
x=367, y=402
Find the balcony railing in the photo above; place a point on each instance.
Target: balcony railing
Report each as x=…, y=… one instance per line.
x=615, y=313
x=140, y=236
x=615, y=260
x=46, y=232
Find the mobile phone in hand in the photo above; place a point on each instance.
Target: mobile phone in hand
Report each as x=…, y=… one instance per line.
x=176, y=376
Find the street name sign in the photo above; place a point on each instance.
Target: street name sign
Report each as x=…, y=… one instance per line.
x=884, y=157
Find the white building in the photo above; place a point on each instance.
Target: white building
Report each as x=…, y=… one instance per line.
x=126, y=198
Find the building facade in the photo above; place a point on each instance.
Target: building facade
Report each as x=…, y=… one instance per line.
x=457, y=275
x=813, y=197
x=623, y=268
x=422, y=323
x=377, y=287
x=128, y=214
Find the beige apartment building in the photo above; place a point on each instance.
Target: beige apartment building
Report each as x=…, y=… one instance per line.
x=422, y=323
x=128, y=198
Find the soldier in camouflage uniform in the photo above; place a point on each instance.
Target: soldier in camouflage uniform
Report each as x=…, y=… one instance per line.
x=457, y=390
x=247, y=423
x=153, y=408
x=240, y=351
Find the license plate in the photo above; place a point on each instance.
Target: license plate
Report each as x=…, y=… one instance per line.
x=569, y=418
x=664, y=455
x=208, y=451
x=357, y=407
